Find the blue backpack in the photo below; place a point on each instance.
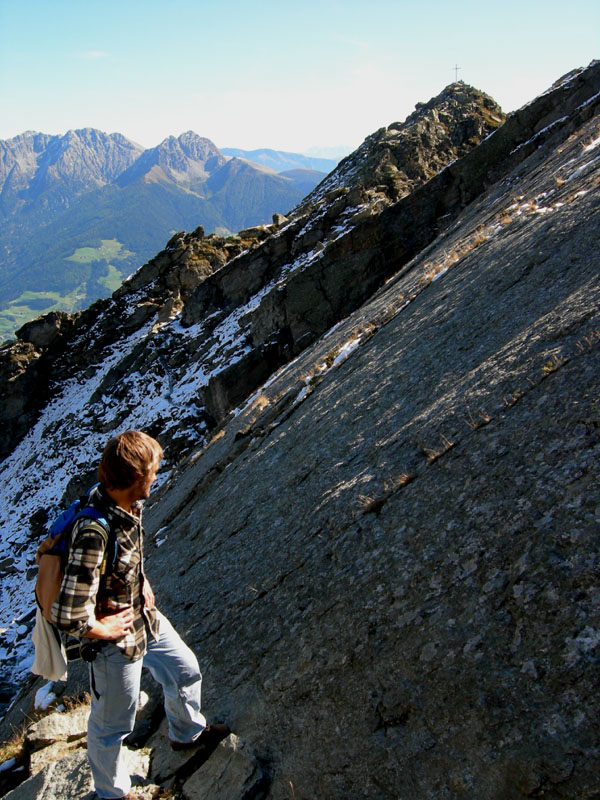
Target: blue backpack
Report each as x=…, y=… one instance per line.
x=53, y=551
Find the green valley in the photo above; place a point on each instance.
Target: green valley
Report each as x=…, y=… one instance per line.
x=108, y=250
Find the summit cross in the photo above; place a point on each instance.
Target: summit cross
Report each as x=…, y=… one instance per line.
x=456, y=68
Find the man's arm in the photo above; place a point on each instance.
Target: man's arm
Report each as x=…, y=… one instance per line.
x=149, y=599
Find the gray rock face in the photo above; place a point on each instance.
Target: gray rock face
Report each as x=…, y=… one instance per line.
x=231, y=773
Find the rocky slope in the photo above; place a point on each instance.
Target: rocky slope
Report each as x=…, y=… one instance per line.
x=378, y=520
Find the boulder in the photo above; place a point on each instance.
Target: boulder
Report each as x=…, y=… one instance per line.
x=258, y=232
x=66, y=779
x=279, y=220
x=42, y=332
x=165, y=763
x=6, y=566
x=66, y=726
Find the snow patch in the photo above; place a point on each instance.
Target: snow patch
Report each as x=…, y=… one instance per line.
x=592, y=146
x=583, y=169
x=44, y=697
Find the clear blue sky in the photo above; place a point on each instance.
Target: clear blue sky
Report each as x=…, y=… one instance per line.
x=272, y=74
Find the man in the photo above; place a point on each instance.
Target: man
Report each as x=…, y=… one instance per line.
x=110, y=602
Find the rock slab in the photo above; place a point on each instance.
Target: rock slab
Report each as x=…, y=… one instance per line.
x=70, y=778
x=231, y=773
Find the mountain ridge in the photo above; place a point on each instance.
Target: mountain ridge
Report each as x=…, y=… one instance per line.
x=381, y=438
x=57, y=160
x=391, y=156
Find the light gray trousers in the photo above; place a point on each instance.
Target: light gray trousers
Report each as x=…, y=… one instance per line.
x=117, y=683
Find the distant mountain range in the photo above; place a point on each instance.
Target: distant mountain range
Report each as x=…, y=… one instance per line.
x=280, y=160
x=81, y=211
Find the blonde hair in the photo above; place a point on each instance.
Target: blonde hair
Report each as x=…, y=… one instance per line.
x=127, y=458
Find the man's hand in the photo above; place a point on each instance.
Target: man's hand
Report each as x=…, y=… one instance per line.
x=112, y=626
x=149, y=598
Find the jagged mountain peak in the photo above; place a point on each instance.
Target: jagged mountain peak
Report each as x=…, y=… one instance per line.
x=183, y=159
x=91, y=138
x=24, y=137
x=190, y=143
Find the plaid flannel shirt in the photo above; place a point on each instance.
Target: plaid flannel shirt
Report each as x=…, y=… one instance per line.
x=85, y=593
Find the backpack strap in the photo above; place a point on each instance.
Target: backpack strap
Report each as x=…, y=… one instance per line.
x=99, y=524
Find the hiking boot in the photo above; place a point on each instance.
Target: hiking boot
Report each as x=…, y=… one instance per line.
x=209, y=738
